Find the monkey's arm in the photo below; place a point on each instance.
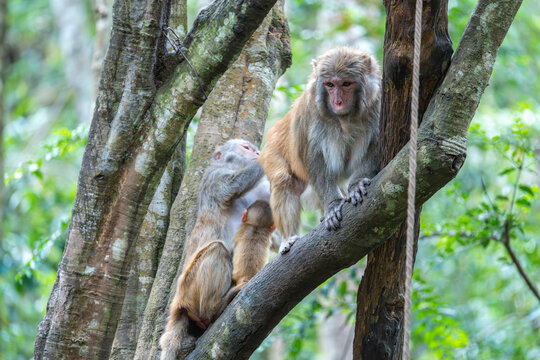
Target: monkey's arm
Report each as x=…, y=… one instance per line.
x=325, y=185
x=361, y=176
x=235, y=184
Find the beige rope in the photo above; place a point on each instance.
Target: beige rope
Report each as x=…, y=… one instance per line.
x=412, y=181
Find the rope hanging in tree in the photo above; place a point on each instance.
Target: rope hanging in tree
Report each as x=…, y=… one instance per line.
x=412, y=181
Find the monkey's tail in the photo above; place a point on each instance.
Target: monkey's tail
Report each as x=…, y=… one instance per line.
x=176, y=342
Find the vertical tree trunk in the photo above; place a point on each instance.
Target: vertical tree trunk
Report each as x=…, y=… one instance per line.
x=236, y=107
x=152, y=235
x=146, y=258
x=379, y=332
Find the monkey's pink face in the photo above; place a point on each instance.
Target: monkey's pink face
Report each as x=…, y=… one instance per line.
x=341, y=92
x=248, y=151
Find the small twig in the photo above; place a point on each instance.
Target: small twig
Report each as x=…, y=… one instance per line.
x=484, y=188
x=505, y=240
x=177, y=45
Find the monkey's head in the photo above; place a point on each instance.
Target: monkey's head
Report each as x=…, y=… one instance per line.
x=347, y=80
x=237, y=151
x=259, y=215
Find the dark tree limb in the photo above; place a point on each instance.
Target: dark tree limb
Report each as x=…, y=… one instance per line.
x=281, y=284
x=380, y=302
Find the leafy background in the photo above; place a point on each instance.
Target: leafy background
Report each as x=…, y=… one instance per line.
x=469, y=301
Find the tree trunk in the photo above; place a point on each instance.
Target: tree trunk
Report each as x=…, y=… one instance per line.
x=283, y=282
x=145, y=102
x=380, y=302
x=226, y=114
x=152, y=234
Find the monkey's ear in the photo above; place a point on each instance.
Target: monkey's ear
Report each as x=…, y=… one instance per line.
x=244, y=216
x=314, y=63
x=217, y=155
x=272, y=227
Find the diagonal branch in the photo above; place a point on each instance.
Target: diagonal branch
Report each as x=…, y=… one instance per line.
x=272, y=293
x=505, y=240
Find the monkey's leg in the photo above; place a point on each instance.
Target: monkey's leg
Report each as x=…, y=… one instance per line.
x=286, y=208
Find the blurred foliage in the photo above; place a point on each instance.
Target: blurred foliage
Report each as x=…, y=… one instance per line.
x=469, y=300
x=43, y=145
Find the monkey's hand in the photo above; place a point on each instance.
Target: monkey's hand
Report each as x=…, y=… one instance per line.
x=287, y=244
x=332, y=215
x=357, y=190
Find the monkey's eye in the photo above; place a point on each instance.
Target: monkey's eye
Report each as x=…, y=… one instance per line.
x=330, y=85
x=347, y=83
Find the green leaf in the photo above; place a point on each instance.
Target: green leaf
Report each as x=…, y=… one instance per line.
x=526, y=189
x=507, y=171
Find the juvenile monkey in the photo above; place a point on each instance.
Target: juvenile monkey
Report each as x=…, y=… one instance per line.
x=328, y=138
x=252, y=242
x=231, y=183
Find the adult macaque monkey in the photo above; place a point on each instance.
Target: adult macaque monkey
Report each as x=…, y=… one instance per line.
x=328, y=137
x=231, y=183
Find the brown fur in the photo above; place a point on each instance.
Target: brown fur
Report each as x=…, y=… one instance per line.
x=211, y=266
x=313, y=146
x=252, y=242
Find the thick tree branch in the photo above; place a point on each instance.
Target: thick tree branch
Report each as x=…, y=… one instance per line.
x=320, y=254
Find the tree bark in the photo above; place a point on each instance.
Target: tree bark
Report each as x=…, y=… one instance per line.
x=282, y=283
x=146, y=258
x=152, y=234
x=226, y=114
x=143, y=107
x=380, y=302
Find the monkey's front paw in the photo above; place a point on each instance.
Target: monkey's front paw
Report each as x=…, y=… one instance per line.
x=357, y=191
x=287, y=244
x=333, y=216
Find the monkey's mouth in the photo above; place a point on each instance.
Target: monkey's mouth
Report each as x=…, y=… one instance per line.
x=340, y=109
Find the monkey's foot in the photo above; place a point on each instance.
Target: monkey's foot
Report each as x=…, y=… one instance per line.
x=287, y=244
x=357, y=191
x=333, y=215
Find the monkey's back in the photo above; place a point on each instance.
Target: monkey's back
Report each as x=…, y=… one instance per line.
x=251, y=248
x=279, y=156
x=211, y=265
